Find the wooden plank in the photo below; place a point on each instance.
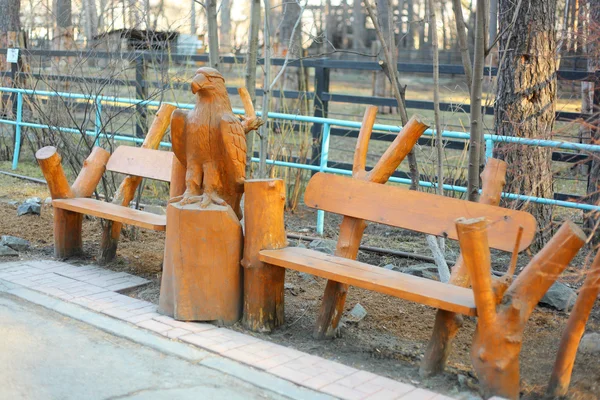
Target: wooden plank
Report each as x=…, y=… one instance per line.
x=355, y=273
x=137, y=161
x=422, y=212
x=113, y=212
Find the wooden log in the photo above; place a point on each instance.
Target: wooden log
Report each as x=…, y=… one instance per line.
x=499, y=334
x=202, y=275
x=448, y=323
x=50, y=163
x=264, y=205
x=91, y=173
x=567, y=350
x=351, y=229
x=177, y=179
x=67, y=224
x=126, y=192
x=67, y=233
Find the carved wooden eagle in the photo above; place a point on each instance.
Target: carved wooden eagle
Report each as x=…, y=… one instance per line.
x=210, y=141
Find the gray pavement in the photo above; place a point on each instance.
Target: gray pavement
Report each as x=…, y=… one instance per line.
x=46, y=355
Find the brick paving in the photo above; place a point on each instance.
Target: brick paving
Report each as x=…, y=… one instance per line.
x=96, y=288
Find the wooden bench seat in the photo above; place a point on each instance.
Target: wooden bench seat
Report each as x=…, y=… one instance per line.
x=355, y=273
x=113, y=212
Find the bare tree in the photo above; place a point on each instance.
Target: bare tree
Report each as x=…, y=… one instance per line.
x=526, y=100
x=358, y=26
x=225, y=27
x=251, y=60
x=63, y=34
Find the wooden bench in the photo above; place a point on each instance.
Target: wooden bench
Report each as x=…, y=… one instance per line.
x=394, y=206
x=71, y=204
x=359, y=199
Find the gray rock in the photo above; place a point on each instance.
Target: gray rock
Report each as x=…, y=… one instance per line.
x=301, y=245
x=33, y=200
x=560, y=296
x=326, y=246
x=7, y=251
x=590, y=343
x=14, y=243
x=424, y=270
x=308, y=278
x=155, y=210
x=391, y=267
x=357, y=314
x=29, y=208
x=48, y=201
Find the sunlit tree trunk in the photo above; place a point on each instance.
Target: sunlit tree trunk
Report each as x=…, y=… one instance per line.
x=525, y=100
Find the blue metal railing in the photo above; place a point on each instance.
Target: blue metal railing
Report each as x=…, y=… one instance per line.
x=327, y=123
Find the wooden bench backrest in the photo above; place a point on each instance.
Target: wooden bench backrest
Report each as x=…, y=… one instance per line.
x=417, y=211
x=147, y=163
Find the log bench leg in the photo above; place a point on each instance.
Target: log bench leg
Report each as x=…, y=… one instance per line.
x=67, y=233
x=264, y=230
x=332, y=308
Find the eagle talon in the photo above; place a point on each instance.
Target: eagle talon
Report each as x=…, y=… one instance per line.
x=211, y=198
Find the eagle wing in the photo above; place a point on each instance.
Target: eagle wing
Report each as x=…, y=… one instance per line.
x=234, y=143
x=178, y=134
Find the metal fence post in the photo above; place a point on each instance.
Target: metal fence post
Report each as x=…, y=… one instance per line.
x=98, y=121
x=320, y=107
x=141, y=93
x=19, y=115
x=322, y=166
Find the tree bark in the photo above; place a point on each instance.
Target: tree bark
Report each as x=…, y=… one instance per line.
x=525, y=101
x=461, y=35
x=358, y=26
x=290, y=40
x=9, y=16
x=213, y=34
x=476, y=139
x=593, y=53
x=251, y=64
x=225, y=26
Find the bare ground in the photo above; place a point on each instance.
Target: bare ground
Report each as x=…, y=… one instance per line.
x=390, y=341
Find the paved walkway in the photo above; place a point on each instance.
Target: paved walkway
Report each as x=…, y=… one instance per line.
x=47, y=356
x=94, y=288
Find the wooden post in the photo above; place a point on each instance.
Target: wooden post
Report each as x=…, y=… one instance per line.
x=448, y=323
x=351, y=229
x=499, y=334
x=567, y=350
x=264, y=204
x=126, y=192
x=67, y=224
x=202, y=276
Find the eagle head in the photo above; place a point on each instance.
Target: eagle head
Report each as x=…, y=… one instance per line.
x=206, y=80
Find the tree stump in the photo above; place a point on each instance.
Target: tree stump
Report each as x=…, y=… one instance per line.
x=202, y=275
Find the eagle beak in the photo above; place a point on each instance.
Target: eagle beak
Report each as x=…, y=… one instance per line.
x=198, y=83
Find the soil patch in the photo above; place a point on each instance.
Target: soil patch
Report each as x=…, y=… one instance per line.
x=390, y=341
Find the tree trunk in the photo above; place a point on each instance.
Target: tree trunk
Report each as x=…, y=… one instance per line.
x=411, y=28
x=225, y=26
x=9, y=22
x=213, y=35
x=525, y=101
x=63, y=34
x=476, y=140
x=358, y=26
x=292, y=44
x=251, y=60
x=593, y=53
